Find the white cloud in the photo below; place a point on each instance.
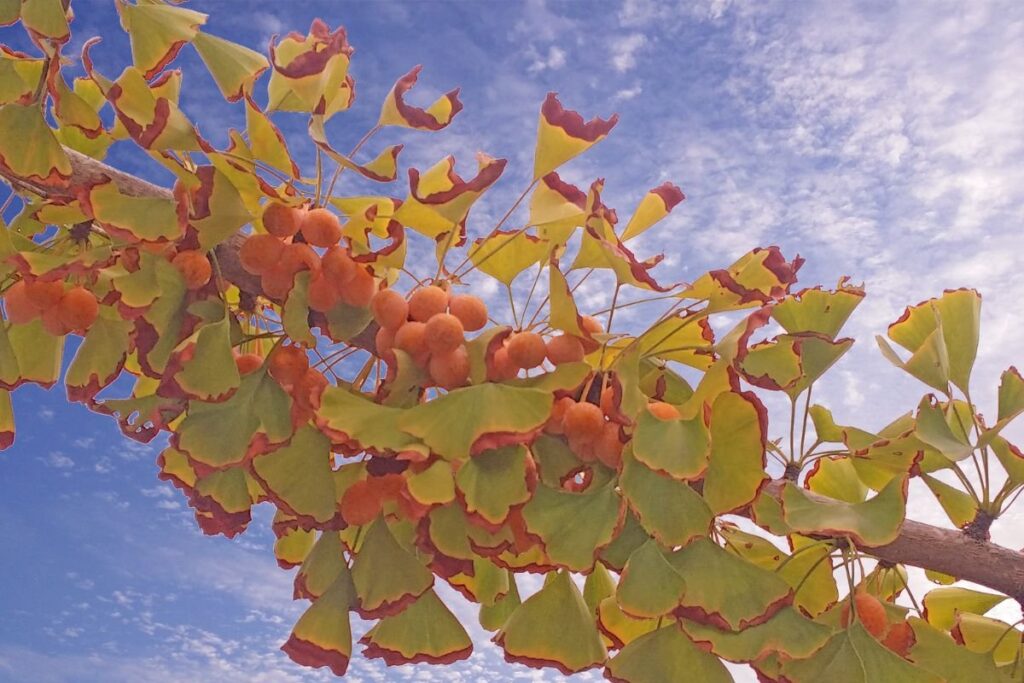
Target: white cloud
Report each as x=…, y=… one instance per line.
x=627, y=93
x=58, y=460
x=555, y=59
x=624, y=49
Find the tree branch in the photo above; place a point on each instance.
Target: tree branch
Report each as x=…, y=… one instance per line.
x=920, y=545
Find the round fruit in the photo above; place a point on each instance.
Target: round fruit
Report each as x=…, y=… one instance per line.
x=321, y=228
x=287, y=364
x=260, y=253
x=248, y=362
x=359, y=291
x=411, y=338
x=322, y=296
x=78, y=309
x=426, y=302
x=900, y=638
x=20, y=308
x=338, y=266
x=360, y=503
x=277, y=282
x=663, y=411
x=298, y=256
x=608, y=447
x=870, y=613
x=44, y=295
x=591, y=326
x=470, y=310
x=194, y=267
x=444, y=333
x=555, y=424
x=309, y=388
x=501, y=368
x=584, y=422
x=583, y=448
x=52, y=322
x=281, y=220
x=564, y=349
x=450, y=370
x=384, y=342
x=526, y=350
x=389, y=308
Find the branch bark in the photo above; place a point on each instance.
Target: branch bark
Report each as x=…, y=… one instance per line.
x=947, y=551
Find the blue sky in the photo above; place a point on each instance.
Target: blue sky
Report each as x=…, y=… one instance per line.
x=880, y=140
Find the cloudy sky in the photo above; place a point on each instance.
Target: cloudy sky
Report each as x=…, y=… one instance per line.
x=880, y=140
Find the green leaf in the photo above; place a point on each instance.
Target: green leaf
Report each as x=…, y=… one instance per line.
x=670, y=510
x=726, y=591
x=131, y=218
x=34, y=153
x=873, y=523
x=1010, y=458
x=1011, y=395
x=297, y=477
x=295, y=317
x=574, y=527
x=816, y=310
x=217, y=208
x=937, y=652
x=854, y=656
x=505, y=254
x=157, y=32
x=958, y=505
x=666, y=654
x=683, y=337
x=493, y=481
x=100, y=358
x=38, y=355
x=234, y=67
x=941, y=605
x=425, y=631
x=323, y=565
x=452, y=424
x=553, y=627
x=754, y=279
x=599, y=585
x=788, y=632
x=351, y=417
x=292, y=547
x=387, y=576
x=679, y=448
x=997, y=639
x=210, y=374
x=735, y=472
x=323, y=635
x=563, y=314
x=650, y=587
x=434, y=485
x=932, y=428
x=836, y=477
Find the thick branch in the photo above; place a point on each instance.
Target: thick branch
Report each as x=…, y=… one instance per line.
x=920, y=545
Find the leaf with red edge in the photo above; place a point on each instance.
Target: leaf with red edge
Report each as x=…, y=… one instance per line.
x=234, y=67
x=504, y=254
x=297, y=477
x=292, y=547
x=758, y=277
x=493, y=617
x=655, y=206
x=666, y=654
x=323, y=635
x=788, y=633
x=602, y=248
x=33, y=357
x=207, y=365
x=682, y=337
x=29, y=150
x=157, y=32
x=553, y=628
x=267, y=142
x=574, y=527
x=45, y=19
x=396, y=112
x=557, y=208
x=424, y=632
x=353, y=418
x=875, y=522
x=563, y=134
x=649, y=587
x=100, y=358
x=680, y=448
x=223, y=502
x=387, y=576
x=310, y=73
x=216, y=208
x=323, y=565
x=726, y=591
x=6, y=420
x=383, y=169
x=452, y=424
x=670, y=510
x=736, y=468
x=493, y=481
x=855, y=655
x=816, y=310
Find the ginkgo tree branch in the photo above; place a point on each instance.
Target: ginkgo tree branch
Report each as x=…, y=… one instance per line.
x=947, y=551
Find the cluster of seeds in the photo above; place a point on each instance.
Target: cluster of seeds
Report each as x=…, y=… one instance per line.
x=289, y=365
x=279, y=255
x=431, y=327
x=61, y=309
x=528, y=350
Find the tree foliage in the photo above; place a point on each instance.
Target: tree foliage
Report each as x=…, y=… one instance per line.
x=279, y=337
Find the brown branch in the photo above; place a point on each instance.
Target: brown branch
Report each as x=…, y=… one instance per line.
x=920, y=545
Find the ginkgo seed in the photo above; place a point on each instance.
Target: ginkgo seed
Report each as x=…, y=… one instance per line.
x=281, y=220
x=870, y=612
x=564, y=348
x=360, y=290
x=338, y=266
x=426, y=302
x=608, y=446
x=298, y=256
x=444, y=333
x=591, y=326
x=389, y=309
x=78, y=308
x=450, y=370
x=19, y=307
x=287, y=364
x=248, y=362
x=321, y=295
x=663, y=411
x=526, y=350
x=555, y=423
x=900, y=638
x=321, y=228
x=360, y=504
x=470, y=310
x=194, y=267
x=44, y=295
x=583, y=422
x=411, y=338
x=259, y=253
x=501, y=368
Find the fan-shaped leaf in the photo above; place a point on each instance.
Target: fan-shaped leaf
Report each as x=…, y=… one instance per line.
x=666, y=654
x=387, y=576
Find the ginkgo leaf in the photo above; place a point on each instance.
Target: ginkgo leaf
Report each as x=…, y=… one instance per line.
x=396, y=112
x=297, y=477
x=563, y=134
x=666, y=654
x=817, y=310
x=453, y=423
x=726, y=591
x=649, y=587
x=383, y=169
x=836, y=477
x=493, y=617
x=553, y=627
x=557, y=208
x=683, y=338
x=323, y=635
x=424, y=632
x=310, y=73
x=618, y=627
x=1011, y=395
x=787, y=632
x=386, y=575
x=223, y=502
x=157, y=32
x=292, y=547
x=152, y=119
x=996, y=638
x=754, y=279
x=599, y=585
x=46, y=19
x=322, y=567
x=667, y=508
x=735, y=471
x=493, y=481
x=680, y=448
x=100, y=358
x=434, y=485
x=216, y=207
x=563, y=314
x=958, y=505
x=505, y=254
x=941, y=605
x=439, y=199
x=34, y=153
x=654, y=207
x=6, y=420
x=350, y=416
x=873, y=523
x=931, y=427
x=937, y=652
x=267, y=141
x=29, y=355
x=234, y=67
x=854, y=655
x=574, y=527
x=209, y=373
